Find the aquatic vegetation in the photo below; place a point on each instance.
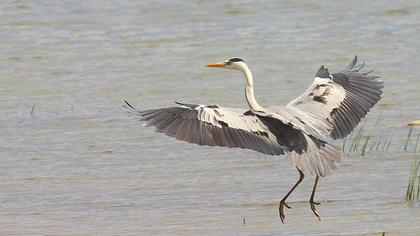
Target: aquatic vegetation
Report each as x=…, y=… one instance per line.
x=367, y=138
x=370, y=137
x=408, y=138
x=413, y=187
x=32, y=110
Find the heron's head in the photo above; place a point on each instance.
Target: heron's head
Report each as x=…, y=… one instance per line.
x=232, y=63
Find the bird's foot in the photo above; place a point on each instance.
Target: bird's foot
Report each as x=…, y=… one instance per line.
x=281, y=210
x=314, y=209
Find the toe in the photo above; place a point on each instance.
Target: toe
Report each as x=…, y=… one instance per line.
x=315, y=212
x=281, y=211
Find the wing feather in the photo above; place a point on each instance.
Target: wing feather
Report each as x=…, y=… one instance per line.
x=313, y=156
x=339, y=101
x=214, y=126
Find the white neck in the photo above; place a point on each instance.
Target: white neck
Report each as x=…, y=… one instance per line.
x=249, y=89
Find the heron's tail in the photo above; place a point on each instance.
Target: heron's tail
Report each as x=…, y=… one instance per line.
x=314, y=157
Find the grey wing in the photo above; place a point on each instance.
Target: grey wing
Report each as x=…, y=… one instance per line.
x=340, y=100
x=214, y=126
x=313, y=156
x=297, y=119
x=308, y=153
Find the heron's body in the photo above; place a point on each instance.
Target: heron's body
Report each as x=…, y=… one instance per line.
x=329, y=109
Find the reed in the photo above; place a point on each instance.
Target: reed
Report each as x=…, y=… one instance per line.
x=417, y=142
x=413, y=187
x=367, y=138
x=32, y=110
x=390, y=139
x=363, y=151
x=408, y=138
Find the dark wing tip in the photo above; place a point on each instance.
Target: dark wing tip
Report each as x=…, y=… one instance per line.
x=323, y=72
x=129, y=105
x=191, y=106
x=353, y=66
x=129, y=108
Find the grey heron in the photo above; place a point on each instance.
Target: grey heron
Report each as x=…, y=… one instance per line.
x=329, y=109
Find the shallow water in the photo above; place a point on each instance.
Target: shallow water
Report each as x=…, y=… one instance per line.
x=79, y=165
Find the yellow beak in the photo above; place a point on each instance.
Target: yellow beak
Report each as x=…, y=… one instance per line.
x=218, y=64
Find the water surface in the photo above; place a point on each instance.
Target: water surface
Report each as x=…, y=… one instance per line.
x=79, y=165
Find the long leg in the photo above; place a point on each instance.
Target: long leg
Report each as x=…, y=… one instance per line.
x=312, y=202
x=283, y=203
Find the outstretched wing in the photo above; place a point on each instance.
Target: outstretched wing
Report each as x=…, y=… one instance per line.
x=214, y=126
x=342, y=99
